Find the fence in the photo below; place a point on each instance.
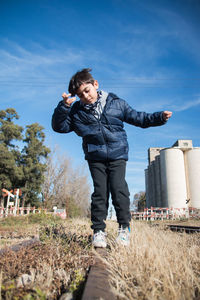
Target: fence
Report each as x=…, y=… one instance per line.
x=155, y=213
x=13, y=211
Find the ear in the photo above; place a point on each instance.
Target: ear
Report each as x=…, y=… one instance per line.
x=96, y=84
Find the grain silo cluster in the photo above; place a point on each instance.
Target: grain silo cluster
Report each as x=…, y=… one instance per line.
x=173, y=176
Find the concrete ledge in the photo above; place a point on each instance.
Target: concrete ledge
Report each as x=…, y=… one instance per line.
x=97, y=285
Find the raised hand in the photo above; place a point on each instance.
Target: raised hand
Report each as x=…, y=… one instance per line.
x=166, y=115
x=67, y=99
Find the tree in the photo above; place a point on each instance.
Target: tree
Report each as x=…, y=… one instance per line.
x=24, y=169
x=139, y=200
x=65, y=186
x=33, y=162
x=8, y=130
x=11, y=171
x=78, y=191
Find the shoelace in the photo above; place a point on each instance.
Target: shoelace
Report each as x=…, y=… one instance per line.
x=123, y=233
x=100, y=234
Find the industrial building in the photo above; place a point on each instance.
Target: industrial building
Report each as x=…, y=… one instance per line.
x=172, y=178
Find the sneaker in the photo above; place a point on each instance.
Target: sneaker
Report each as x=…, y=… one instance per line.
x=99, y=239
x=123, y=236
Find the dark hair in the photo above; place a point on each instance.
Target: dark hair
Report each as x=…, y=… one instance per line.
x=79, y=78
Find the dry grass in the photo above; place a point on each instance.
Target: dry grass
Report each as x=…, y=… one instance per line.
x=59, y=264
x=157, y=265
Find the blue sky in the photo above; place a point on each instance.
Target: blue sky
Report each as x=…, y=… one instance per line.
x=146, y=52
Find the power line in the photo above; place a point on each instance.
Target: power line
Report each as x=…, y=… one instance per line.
x=102, y=79
x=129, y=83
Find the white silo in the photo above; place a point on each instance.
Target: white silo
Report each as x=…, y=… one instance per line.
x=147, y=188
x=155, y=204
x=150, y=189
x=157, y=182
x=173, y=181
x=193, y=175
x=151, y=180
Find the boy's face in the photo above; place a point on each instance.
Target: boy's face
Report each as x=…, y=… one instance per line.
x=87, y=92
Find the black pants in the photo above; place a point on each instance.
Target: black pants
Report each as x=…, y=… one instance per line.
x=109, y=177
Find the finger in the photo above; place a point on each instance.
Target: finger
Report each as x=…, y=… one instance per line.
x=167, y=113
x=71, y=100
x=64, y=95
x=168, y=116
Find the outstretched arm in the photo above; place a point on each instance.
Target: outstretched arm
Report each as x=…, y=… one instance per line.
x=61, y=119
x=143, y=119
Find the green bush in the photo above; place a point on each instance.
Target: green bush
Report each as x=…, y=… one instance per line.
x=38, y=218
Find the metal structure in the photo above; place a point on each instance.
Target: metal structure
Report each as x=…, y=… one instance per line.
x=14, y=204
x=172, y=178
x=165, y=213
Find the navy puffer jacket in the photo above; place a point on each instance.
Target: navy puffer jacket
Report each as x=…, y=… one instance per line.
x=103, y=139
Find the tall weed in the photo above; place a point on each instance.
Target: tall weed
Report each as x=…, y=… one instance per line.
x=158, y=265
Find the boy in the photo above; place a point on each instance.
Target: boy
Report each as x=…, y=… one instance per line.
x=98, y=118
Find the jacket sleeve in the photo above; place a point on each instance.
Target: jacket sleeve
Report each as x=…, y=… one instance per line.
x=61, y=119
x=142, y=119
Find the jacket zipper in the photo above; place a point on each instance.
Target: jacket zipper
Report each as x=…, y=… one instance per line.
x=104, y=136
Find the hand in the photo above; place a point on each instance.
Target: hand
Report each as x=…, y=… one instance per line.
x=67, y=100
x=166, y=115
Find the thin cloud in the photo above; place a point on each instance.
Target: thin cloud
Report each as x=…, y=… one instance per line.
x=186, y=105
x=22, y=59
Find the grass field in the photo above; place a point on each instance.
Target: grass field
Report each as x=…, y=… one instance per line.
x=159, y=264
